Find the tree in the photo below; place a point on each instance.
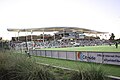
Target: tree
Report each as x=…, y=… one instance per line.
x=112, y=37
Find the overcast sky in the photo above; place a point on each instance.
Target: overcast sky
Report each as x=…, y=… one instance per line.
x=100, y=15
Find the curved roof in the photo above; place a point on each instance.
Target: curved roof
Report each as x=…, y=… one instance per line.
x=51, y=29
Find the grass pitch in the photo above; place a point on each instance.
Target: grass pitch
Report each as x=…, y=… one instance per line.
x=110, y=69
x=106, y=48
x=76, y=65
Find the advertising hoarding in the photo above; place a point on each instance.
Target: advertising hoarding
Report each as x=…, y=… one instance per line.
x=94, y=57
x=55, y=54
x=111, y=58
x=82, y=56
x=71, y=56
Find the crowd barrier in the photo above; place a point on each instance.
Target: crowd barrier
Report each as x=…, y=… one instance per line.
x=96, y=57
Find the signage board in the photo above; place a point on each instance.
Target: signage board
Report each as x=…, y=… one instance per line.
x=111, y=58
x=94, y=57
x=82, y=56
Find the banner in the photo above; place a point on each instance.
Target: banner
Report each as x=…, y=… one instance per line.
x=62, y=54
x=43, y=53
x=111, y=58
x=82, y=56
x=48, y=53
x=94, y=57
x=89, y=57
x=55, y=54
x=71, y=56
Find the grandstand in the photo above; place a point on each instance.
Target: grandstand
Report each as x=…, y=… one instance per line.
x=63, y=37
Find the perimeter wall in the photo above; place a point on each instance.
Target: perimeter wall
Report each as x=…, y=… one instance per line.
x=96, y=57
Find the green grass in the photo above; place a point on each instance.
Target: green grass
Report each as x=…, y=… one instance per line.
x=110, y=69
x=88, y=48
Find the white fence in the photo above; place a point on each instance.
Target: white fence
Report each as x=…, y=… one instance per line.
x=97, y=57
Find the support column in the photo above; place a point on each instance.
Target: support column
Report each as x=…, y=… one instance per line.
x=54, y=36
x=26, y=40
x=15, y=36
x=63, y=32
x=43, y=39
x=96, y=34
x=18, y=35
x=103, y=36
x=31, y=35
x=32, y=39
x=89, y=36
